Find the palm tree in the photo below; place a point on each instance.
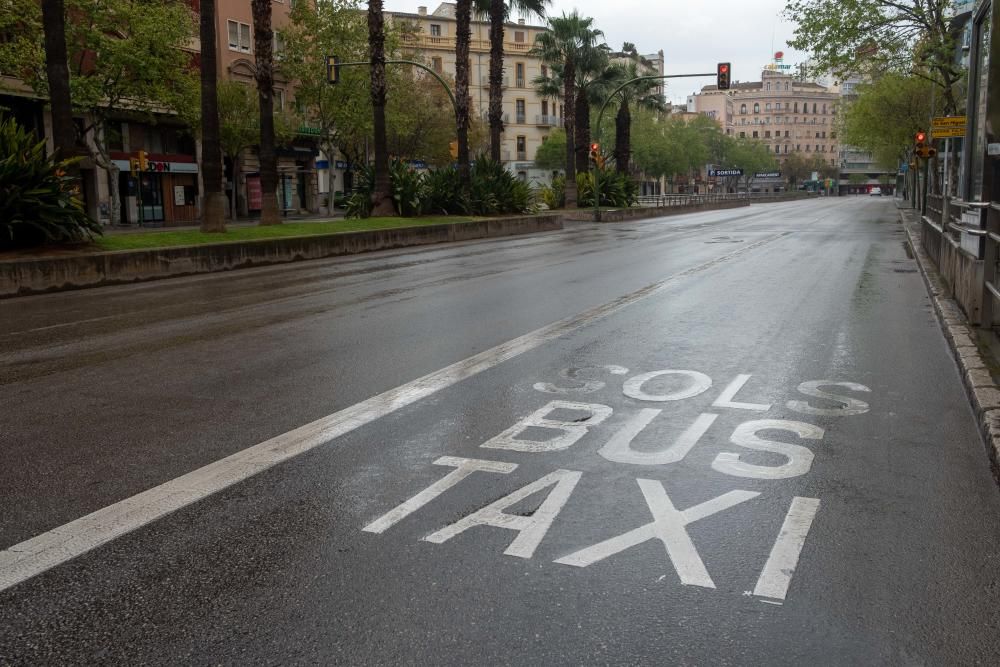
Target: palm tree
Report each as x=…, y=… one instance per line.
x=499, y=12
x=463, y=37
x=595, y=77
x=382, y=191
x=213, y=208
x=564, y=46
x=264, y=61
x=642, y=94
x=57, y=71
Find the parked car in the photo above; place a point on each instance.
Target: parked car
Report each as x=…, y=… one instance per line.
x=876, y=192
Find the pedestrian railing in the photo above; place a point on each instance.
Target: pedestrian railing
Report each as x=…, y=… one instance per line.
x=668, y=200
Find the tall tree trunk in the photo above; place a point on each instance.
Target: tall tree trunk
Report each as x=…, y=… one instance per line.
x=582, y=131
x=569, y=117
x=623, y=137
x=498, y=12
x=57, y=73
x=463, y=36
x=264, y=60
x=382, y=192
x=213, y=201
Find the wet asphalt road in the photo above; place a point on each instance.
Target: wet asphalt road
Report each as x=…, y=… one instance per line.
x=110, y=392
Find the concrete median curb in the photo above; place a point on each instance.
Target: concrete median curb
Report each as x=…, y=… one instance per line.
x=21, y=277
x=982, y=390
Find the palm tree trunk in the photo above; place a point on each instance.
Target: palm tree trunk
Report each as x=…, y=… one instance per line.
x=623, y=138
x=463, y=36
x=497, y=14
x=569, y=117
x=57, y=73
x=213, y=201
x=264, y=57
x=382, y=192
x=582, y=131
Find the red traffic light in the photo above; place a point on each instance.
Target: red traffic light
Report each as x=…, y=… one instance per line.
x=595, y=147
x=722, y=76
x=921, y=137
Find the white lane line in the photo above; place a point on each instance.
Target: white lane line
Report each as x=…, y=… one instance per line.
x=38, y=554
x=777, y=574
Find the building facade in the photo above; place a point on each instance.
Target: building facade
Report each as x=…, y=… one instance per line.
x=529, y=118
x=782, y=112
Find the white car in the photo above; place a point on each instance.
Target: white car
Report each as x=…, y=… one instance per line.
x=876, y=192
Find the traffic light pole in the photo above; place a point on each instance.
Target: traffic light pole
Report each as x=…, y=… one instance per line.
x=451, y=95
x=600, y=117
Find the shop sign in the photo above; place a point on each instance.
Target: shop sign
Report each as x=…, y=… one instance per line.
x=767, y=174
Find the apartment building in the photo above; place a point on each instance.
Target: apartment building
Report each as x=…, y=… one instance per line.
x=303, y=174
x=528, y=117
x=784, y=113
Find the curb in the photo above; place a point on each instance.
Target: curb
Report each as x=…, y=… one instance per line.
x=983, y=392
x=40, y=275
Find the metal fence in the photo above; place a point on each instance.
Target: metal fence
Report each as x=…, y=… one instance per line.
x=663, y=201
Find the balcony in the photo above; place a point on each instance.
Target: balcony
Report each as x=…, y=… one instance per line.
x=519, y=82
x=522, y=156
x=520, y=119
x=504, y=82
x=547, y=121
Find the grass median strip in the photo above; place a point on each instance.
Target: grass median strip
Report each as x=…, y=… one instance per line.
x=166, y=239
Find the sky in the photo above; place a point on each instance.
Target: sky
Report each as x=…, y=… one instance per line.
x=694, y=35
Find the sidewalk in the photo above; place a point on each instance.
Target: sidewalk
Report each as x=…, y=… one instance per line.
x=336, y=214
x=977, y=364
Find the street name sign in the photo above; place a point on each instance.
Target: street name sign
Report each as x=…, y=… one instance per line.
x=945, y=127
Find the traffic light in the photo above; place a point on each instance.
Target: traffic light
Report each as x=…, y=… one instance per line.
x=920, y=147
x=722, y=76
x=332, y=69
x=143, y=162
x=595, y=152
x=453, y=149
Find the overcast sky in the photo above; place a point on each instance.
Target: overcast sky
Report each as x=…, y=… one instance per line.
x=693, y=34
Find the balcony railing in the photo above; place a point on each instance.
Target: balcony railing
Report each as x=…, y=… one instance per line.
x=519, y=82
x=520, y=119
x=547, y=121
x=522, y=156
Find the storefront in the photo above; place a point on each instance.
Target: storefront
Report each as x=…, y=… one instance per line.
x=165, y=193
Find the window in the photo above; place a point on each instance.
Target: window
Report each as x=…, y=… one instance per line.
x=777, y=148
x=777, y=105
x=522, y=147
x=817, y=135
x=824, y=108
x=437, y=65
x=435, y=30
x=814, y=107
x=769, y=85
x=743, y=135
x=518, y=37
x=807, y=148
x=743, y=108
x=519, y=74
x=755, y=134
x=756, y=107
x=545, y=107
x=796, y=107
x=786, y=134
x=798, y=147
x=786, y=149
x=279, y=45
x=786, y=86
x=767, y=134
x=767, y=107
x=239, y=36
x=519, y=111
x=279, y=99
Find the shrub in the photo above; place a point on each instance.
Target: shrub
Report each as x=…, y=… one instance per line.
x=444, y=193
x=408, y=189
x=616, y=189
x=493, y=190
x=359, y=204
x=554, y=195
x=38, y=201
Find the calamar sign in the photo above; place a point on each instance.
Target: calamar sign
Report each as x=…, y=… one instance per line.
x=777, y=64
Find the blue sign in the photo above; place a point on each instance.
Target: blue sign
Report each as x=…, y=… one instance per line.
x=418, y=164
x=322, y=164
x=342, y=165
